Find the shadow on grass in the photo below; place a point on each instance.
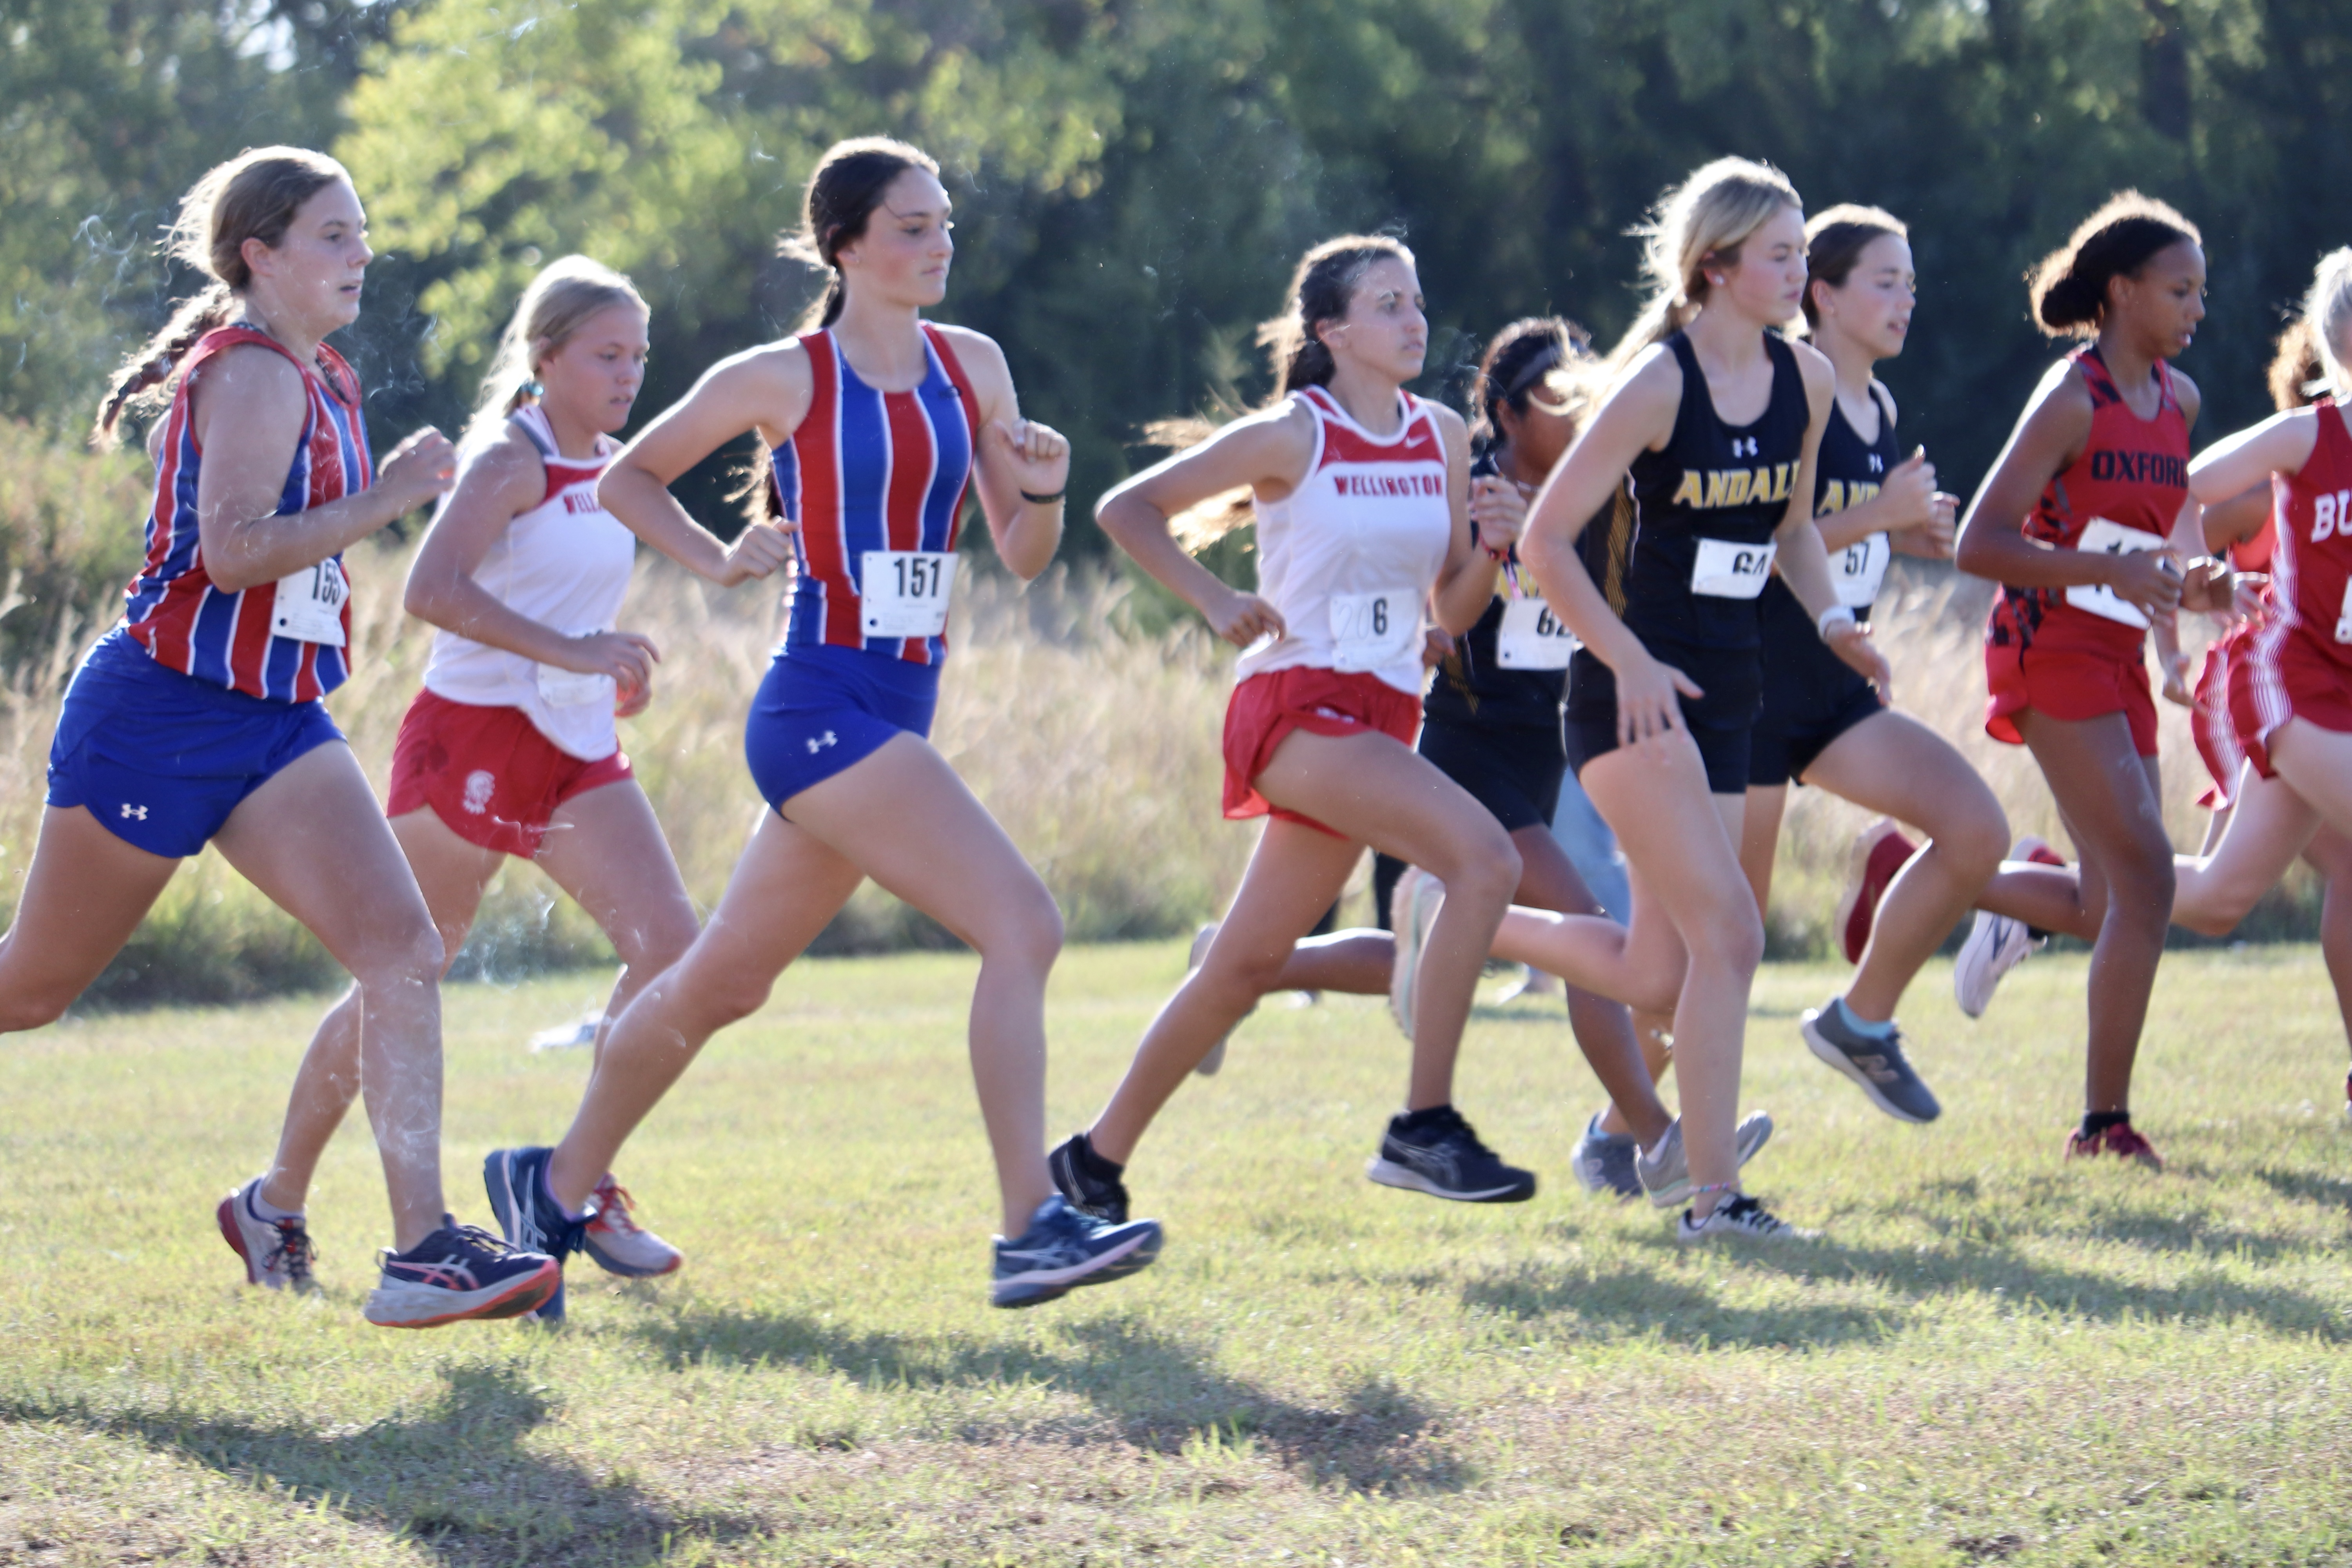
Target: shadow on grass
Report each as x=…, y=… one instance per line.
x=2303, y=1186
x=454, y=1479
x=1157, y=1392
x=1636, y=1300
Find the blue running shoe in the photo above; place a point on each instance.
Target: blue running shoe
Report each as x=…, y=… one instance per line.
x=458, y=1272
x=1063, y=1250
x=530, y=1216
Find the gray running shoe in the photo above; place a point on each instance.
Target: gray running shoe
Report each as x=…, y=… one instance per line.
x=1604, y=1162
x=1995, y=945
x=1741, y=1217
x=1216, y=1058
x=1412, y=906
x=1874, y=1062
x=1664, y=1172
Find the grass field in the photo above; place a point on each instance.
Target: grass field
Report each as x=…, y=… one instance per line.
x=1989, y=1357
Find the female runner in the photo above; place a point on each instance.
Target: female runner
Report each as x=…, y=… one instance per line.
x=510, y=748
x=878, y=422
x=1364, y=508
x=2082, y=522
x=198, y=719
x=1716, y=422
x=1491, y=723
x=1823, y=725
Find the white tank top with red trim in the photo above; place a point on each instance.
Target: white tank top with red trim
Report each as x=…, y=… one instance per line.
x=565, y=564
x=1349, y=556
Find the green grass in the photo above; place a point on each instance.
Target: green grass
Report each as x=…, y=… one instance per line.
x=1990, y=1357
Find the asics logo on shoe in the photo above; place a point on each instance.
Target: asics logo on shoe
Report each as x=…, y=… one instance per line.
x=134, y=813
x=448, y=1275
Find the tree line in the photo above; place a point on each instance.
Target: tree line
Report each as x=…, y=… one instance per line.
x=1135, y=177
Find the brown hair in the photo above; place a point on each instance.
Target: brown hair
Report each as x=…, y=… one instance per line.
x=843, y=192
x=254, y=196
x=1834, y=242
x=560, y=300
x=1700, y=222
x=1534, y=354
x=2069, y=286
x=1320, y=290
x=2294, y=365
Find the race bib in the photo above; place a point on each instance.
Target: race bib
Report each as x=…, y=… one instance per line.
x=1858, y=571
x=1722, y=570
x=1532, y=638
x=903, y=593
x=1373, y=631
x=2104, y=537
x=309, y=605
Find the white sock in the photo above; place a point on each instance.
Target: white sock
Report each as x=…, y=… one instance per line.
x=263, y=1209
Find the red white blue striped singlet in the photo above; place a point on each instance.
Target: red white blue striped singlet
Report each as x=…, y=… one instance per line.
x=174, y=611
x=871, y=470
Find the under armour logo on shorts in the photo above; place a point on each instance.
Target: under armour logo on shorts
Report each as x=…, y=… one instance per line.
x=818, y=743
x=479, y=785
x=134, y=813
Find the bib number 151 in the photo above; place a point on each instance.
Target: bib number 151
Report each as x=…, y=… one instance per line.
x=903, y=593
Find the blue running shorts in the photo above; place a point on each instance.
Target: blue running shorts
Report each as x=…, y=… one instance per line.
x=161, y=758
x=823, y=710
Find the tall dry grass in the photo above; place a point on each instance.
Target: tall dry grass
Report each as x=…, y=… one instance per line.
x=1093, y=741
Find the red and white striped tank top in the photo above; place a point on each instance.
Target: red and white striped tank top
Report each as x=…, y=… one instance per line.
x=228, y=639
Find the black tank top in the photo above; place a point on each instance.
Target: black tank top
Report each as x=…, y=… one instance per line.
x=1472, y=686
x=1847, y=473
x=1706, y=509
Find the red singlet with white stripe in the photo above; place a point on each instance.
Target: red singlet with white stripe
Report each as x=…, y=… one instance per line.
x=174, y=611
x=2298, y=661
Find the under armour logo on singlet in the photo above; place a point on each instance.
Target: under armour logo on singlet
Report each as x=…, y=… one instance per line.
x=134, y=813
x=1743, y=445
x=818, y=743
x=1877, y=464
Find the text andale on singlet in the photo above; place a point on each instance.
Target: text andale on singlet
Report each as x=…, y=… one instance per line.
x=1703, y=488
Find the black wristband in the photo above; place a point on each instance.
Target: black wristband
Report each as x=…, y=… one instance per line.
x=1044, y=500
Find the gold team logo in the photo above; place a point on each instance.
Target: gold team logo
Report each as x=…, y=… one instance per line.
x=1703, y=488
x=1839, y=494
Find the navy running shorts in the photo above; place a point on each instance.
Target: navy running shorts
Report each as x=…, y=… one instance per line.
x=823, y=710
x=161, y=758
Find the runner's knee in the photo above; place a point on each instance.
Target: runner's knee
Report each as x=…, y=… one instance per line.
x=1485, y=865
x=1729, y=936
x=402, y=952
x=1024, y=926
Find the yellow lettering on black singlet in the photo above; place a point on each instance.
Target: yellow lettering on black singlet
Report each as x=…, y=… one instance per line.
x=1843, y=493
x=1687, y=492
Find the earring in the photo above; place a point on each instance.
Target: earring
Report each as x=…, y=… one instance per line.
x=532, y=389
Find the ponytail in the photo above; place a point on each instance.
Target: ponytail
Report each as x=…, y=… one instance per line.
x=2069, y=286
x=1700, y=222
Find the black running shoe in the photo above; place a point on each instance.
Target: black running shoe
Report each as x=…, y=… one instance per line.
x=1097, y=1196
x=1437, y=1153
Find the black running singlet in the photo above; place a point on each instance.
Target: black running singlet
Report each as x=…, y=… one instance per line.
x=1847, y=473
x=1706, y=509
x=1472, y=686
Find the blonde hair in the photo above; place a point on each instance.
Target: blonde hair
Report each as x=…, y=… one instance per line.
x=1700, y=222
x=254, y=196
x=563, y=298
x=2327, y=311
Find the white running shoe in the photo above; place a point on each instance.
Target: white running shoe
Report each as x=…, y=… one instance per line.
x=618, y=1243
x=278, y=1253
x=1995, y=945
x=580, y=1031
x=1741, y=1216
x=1412, y=909
x=1664, y=1170
x=1529, y=982
x=1216, y=1057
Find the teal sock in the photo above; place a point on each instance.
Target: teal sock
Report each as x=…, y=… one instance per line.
x=1875, y=1031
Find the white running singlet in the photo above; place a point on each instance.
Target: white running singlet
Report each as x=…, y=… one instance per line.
x=1349, y=556
x=565, y=564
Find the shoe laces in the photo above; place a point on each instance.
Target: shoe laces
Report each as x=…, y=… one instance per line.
x=613, y=1205
x=295, y=1251
x=1449, y=1126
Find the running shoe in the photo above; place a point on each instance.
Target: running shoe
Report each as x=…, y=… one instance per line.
x=1604, y=1162
x=1742, y=1217
x=1879, y=851
x=458, y=1272
x=618, y=1243
x=1995, y=945
x=1664, y=1170
x=2121, y=1140
x=278, y=1253
x=1874, y=1062
x=1216, y=1057
x=1437, y=1153
x=580, y=1031
x=1064, y=1249
x=530, y=1216
x=1413, y=905
x=1094, y=1196
x=1529, y=982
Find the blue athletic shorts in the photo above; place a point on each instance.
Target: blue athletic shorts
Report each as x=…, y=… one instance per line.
x=823, y=710
x=161, y=758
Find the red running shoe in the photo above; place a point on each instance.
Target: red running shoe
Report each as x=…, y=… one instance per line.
x=2120, y=1141
x=1879, y=851
x=2038, y=851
